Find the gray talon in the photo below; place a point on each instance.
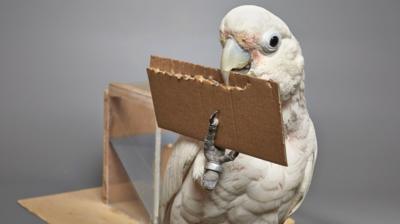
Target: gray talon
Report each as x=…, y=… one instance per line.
x=215, y=156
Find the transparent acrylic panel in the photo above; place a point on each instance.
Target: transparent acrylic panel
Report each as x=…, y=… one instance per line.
x=137, y=154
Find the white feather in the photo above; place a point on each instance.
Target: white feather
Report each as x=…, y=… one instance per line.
x=184, y=152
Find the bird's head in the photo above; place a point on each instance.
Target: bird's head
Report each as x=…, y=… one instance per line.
x=256, y=42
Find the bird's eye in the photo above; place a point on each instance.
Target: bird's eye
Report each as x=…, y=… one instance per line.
x=271, y=42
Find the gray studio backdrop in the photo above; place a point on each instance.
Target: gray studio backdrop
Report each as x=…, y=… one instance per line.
x=56, y=57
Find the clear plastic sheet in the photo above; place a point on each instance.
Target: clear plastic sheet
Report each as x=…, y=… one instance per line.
x=138, y=155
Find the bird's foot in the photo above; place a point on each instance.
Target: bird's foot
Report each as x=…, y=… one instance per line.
x=214, y=155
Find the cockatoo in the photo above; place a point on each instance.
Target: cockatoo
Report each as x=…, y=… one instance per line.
x=250, y=190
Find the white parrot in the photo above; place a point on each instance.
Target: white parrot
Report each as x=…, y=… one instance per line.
x=250, y=190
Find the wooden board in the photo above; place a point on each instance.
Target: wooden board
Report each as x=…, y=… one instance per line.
x=84, y=206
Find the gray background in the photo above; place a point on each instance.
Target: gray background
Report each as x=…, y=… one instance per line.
x=56, y=57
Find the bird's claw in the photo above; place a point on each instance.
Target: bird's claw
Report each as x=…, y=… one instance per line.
x=213, y=117
x=229, y=157
x=215, y=156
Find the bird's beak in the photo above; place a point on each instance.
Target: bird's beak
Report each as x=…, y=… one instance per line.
x=233, y=57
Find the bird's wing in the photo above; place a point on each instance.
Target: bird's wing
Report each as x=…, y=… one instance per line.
x=308, y=173
x=184, y=152
x=250, y=191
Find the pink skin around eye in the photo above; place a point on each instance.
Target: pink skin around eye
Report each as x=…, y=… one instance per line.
x=248, y=42
x=245, y=40
x=256, y=56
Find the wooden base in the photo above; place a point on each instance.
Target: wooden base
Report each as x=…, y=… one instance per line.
x=289, y=221
x=84, y=206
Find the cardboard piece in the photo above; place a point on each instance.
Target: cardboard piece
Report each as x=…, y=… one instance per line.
x=184, y=96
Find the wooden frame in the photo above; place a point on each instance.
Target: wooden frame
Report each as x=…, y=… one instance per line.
x=128, y=111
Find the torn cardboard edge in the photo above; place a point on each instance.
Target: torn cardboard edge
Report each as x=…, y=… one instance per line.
x=184, y=96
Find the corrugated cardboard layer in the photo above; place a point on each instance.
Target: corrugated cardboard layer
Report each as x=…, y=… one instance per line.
x=184, y=96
